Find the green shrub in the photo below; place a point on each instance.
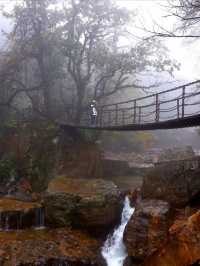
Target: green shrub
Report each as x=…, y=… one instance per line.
x=8, y=168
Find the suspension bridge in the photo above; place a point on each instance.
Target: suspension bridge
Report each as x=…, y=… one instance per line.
x=178, y=107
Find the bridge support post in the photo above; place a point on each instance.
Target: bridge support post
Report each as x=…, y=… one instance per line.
x=140, y=112
x=178, y=108
x=157, y=109
x=183, y=102
x=116, y=114
x=123, y=117
x=135, y=111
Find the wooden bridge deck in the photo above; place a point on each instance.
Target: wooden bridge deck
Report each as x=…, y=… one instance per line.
x=191, y=121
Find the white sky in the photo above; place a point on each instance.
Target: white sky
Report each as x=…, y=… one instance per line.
x=150, y=11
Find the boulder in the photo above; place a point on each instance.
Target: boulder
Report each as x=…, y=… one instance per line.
x=182, y=247
x=90, y=204
x=44, y=247
x=60, y=209
x=147, y=229
x=176, y=182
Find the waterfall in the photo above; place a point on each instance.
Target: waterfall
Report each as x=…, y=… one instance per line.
x=39, y=213
x=114, y=250
x=1, y=222
x=7, y=226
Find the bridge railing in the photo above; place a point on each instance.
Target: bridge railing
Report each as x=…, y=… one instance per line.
x=175, y=103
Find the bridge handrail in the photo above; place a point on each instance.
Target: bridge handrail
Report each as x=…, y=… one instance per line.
x=152, y=95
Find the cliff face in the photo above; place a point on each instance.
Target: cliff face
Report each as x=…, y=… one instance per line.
x=176, y=182
x=165, y=228
x=147, y=228
x=182, y=247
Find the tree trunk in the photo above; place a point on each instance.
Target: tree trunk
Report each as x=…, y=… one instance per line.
x=45, y=86
x=79, y=105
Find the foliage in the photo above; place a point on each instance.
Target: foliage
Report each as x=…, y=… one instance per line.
x=59, y=59
x=187, y=13
x=29, y=151
x=90, y=135
x=8, y=168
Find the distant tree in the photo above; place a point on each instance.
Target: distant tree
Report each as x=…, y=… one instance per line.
x=33, y=55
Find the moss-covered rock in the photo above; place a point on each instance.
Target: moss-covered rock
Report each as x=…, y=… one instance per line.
x=91, y=204
x=176, y=182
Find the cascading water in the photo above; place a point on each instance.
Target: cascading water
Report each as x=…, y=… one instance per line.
x=39, y=213
x=114, y=251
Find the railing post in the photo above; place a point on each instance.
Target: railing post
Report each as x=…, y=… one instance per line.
x=135, y=111
x=178, y=108
x=140, y=111
x=109, y=117
x=183, y=102
x=101, y=117
x=123, y=117
x=116, y=114
x=157, y=109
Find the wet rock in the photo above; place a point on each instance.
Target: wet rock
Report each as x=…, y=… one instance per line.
x=90, y=204
x=55, y=247
x=147, y=228
x=129, y=262
x=60, y=209
x=16, y=214
x=182, y=246
x=175, y=182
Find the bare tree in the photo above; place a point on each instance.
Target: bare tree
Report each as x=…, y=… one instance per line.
x=187, y=14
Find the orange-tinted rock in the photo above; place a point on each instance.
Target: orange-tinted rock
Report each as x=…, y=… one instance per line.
x=35, y=247
x=16, y=214
x=147, y=228
x=7, y=204
x=182, y=247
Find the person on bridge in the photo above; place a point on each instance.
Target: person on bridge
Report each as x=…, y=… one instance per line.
x=93, y=112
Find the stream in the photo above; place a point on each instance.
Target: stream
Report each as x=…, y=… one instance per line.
x=114, y=250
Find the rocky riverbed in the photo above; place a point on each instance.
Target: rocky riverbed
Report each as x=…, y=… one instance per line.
x=65, y=227
x=69, y=222
x=164, y=230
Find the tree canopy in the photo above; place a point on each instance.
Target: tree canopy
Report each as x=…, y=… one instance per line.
x=61, y=57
